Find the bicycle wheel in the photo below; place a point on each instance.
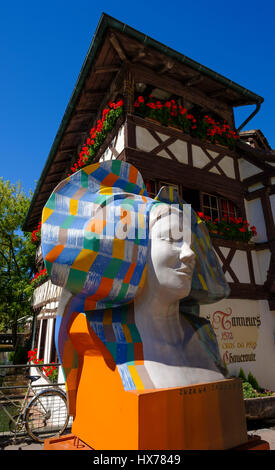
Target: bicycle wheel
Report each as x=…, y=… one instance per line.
x=46, y=415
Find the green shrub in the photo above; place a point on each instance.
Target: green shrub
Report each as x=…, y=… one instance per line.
x=251, y=379
x=242, y=375
x=251, y=388
x=11, y=356
x=248, y=391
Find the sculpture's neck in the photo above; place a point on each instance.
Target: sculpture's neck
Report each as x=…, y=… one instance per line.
x=158, y=320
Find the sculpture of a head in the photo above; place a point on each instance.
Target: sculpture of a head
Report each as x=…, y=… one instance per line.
x=98, y=227
x=95, y=236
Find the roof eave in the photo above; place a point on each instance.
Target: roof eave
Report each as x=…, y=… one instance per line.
x=106, y=22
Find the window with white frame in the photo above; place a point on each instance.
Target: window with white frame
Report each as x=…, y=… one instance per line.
x=218, y=207
x=210, y=206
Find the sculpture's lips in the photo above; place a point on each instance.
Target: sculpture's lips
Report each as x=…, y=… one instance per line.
x=186, y=271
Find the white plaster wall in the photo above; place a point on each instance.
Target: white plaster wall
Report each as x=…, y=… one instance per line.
x=107, y=155
x=227, y=165
x=214, y=170
x=48, y=342
x=225, y=252
x=255, y=217
x=247, y=169
x=39, y=336
x=119, y=145
x=239, y=265
x=246, y=340
x=200, y=159
x=254, y=187
x=179, y=149
x=144, y=140
x=164, y=154
x=265, y=366
x=261, y=261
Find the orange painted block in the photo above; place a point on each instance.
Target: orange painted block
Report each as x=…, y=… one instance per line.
x=72, y=442
x=67, y=442
x=196, y=417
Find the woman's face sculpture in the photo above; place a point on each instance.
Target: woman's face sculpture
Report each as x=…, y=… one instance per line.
x=170, y=260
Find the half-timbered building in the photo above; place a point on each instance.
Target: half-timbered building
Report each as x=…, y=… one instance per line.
x=217, y=181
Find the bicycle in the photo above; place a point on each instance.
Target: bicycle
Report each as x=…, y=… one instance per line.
x=44, y=415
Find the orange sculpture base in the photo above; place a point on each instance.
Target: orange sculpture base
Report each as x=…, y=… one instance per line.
x=203, y=416
x=207, y=416
x=66, y=442
x=71, y=442
x=197, y=417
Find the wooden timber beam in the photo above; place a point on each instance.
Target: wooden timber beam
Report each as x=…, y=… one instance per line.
x=194, y=80
x=67, y=150
x=107, y=69
x=140, y=55
x=217, y=93
x=146, y=75
x=92, y=92
x=193, y=178
x=247, y=291
x=84, y=112
x=166, y=67
x=75, y=132
x=259, y=177
x=117, y=47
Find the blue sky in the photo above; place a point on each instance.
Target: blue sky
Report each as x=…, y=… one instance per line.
x=43, y=46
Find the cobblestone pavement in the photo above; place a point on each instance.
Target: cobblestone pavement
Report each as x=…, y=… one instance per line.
x=264, y=429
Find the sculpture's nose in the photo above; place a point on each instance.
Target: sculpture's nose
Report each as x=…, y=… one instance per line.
x=187, y=255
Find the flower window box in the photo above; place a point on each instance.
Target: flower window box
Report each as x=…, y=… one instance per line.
x=229, y=228
x=172, y=114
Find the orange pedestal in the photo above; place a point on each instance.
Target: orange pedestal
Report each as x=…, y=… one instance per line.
x=197, y=417
x=203, y=416
x=71, y=442
x=66, y=442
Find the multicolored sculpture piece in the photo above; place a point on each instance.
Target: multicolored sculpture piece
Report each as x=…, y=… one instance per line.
x=134, y=271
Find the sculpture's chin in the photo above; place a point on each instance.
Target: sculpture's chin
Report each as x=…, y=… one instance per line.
x=172, y=293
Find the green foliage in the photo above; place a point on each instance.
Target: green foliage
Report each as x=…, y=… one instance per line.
x=251, y=388
x=248, y=391
x=11, y=356
x=242, y=375
x=253, y=382
x=17, y=257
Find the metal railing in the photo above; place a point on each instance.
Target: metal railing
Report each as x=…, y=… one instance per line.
x=14, y=385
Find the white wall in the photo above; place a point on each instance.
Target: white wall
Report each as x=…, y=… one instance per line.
x=255, y=216
x=251, y=342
